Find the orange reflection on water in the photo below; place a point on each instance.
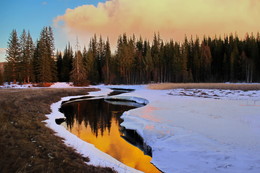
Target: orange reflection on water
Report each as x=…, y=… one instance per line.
x=114, y=145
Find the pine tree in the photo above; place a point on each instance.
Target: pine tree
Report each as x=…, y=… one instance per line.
x=30, y=53
x=205, y=62
x=23, y=57
x=36, y=63
x=155, y=52
x=92, y=61
x=67, y=63
x=107, y=59
x=100, y=59
x=148, y=62
x=12, y=72
x=59, y=65
x=78, y=74
x=27, y=51
x=1, y=78
x=47, y=67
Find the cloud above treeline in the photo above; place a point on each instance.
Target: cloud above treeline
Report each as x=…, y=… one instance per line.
x=172, y=18
x=2, y=54
x=2, y=50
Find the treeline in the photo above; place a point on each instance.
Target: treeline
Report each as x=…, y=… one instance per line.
x=28, y=62
x=135, y=61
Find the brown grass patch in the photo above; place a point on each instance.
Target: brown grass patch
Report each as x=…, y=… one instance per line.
x=26, y=144
x=166, y=86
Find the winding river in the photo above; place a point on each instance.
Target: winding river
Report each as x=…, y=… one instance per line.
x=97, y=121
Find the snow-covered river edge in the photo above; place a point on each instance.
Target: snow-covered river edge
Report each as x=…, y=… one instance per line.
x=97, y=157
x=187, y=134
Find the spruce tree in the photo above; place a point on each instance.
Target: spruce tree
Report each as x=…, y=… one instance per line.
x=67, y=63
x=47, y=67
x=27, y=51
x=23, y=57
x=78, y=74
x=1, y=78
x=155, y=52
x=12, y=70
x=107, y=59
x=92, y=61
x=36, y=63
x=59, y=65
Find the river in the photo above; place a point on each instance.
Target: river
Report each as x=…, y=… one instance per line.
x=97, y=121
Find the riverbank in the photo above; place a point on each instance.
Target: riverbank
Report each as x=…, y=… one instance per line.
x=27, y=145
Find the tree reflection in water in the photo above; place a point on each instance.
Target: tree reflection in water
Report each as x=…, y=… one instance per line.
x=95, y=113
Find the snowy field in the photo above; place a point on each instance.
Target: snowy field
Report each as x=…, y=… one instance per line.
x=189, y=130
x=199, y=130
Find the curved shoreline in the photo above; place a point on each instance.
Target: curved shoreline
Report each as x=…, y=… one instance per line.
x=97, y=157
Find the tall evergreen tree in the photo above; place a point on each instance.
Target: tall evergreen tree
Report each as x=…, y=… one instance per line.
x=23, y=57
x=26, y=56
x=47, y=67
x=1, y=78
x=78, y=74
x=59, y=65
x=92, y=61
x=36, y=63
x=206, y=60
x=67, y=63
x=107, y=61
x=12, y=71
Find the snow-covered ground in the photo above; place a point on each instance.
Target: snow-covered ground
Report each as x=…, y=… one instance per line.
x=206, y=131
x=6, y=86
x=188, y=130
x=61, y=85
x=17, y=86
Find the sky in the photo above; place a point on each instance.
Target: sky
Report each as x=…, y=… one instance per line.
x=173, y=19
x=33, y=15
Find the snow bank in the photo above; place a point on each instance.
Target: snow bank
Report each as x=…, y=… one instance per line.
x=218, y=94
x=129, y=98
x=61, y=85
x=6, y=86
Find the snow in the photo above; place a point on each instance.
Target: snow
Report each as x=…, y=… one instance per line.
x=219, y=133
x=6, y=86
x=55, y=85
x=61, y=85
x=188, y=130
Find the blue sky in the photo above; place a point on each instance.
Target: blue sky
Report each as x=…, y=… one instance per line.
x=32, y=15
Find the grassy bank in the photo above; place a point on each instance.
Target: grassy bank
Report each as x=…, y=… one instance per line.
x=26, y=144
x=165, y=86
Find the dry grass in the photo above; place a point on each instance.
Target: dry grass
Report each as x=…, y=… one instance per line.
x=165, y=86
x=26, y=144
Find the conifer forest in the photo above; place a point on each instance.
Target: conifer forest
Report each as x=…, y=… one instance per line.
x=135, y=60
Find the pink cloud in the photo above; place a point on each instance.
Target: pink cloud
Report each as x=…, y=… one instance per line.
x=172, y=18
